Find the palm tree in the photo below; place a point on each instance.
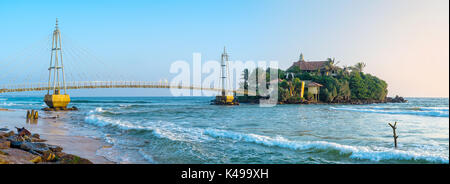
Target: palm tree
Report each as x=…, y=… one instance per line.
x=331, y=65
x=359, y=66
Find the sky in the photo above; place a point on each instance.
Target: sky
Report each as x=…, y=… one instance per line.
x=404, y=42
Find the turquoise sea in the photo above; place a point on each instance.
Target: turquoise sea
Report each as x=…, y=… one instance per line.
x=190, y=130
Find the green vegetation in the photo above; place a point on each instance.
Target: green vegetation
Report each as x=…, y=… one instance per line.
x=340, y=84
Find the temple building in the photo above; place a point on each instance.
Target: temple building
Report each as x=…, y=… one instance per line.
x=309, y=66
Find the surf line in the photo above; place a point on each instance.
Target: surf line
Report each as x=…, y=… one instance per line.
x=192, y=174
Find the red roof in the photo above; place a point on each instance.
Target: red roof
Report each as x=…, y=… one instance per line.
x=310, y=65
x=314, y=84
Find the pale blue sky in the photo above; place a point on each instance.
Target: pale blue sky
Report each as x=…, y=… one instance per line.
x=404, y=42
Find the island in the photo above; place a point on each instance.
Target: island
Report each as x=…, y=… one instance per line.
x=307, y=82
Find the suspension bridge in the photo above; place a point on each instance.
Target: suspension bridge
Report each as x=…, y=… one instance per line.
x=57, y=78
x=110, y=84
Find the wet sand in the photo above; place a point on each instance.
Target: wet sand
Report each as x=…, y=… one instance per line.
x=54, y=132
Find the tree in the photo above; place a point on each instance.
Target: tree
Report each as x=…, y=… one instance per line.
x=358, y=87
x=294, y=69
x=359, y=67
x=284, y=84
x=344, y=71
x=297, y=84
x=331, y=65
x=346, y=86
x=245, y=77
x=281, y=74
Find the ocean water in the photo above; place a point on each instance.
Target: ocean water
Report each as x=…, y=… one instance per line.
x=190, y=130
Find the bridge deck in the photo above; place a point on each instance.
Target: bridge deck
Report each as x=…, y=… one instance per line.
x=110, y=84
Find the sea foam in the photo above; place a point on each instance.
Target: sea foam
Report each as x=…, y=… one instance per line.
x=419, y=111
x=8, y=104
x=354, y=152
x=160, y=129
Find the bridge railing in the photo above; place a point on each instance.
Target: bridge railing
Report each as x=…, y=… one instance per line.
x=104, y=84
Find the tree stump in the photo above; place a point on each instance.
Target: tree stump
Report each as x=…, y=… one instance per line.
x=394, y=127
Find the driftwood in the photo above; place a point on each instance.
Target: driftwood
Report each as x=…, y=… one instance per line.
x=394, y=127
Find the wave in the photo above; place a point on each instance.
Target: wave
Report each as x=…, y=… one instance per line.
x=114, y=112
x=95, y=111
x=146, y=156
x=354, y=152
x=444, y=109
x=418, y=111
x=132, y=106
x=107, y=101
x=8, y=104
x=160, y=129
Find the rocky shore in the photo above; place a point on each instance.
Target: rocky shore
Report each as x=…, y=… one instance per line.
x=24, y=147
x=396, y=99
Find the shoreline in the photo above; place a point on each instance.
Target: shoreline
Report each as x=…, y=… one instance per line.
x=396, y=99
x=52, y=133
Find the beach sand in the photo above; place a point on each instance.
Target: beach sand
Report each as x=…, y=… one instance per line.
x=55, y=133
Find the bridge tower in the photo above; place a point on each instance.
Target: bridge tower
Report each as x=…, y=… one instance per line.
x=224, y=98
x=224, y=71
x=55, y=73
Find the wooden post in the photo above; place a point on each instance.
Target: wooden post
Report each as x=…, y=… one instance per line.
x=394, y=127
x=32, y=114
x=35, y=115
x=28, y=114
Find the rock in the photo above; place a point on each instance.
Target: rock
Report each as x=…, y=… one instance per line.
x=60, y=109
x=49, y=156
x=60, y=154
x=39, y=148
x=22, y=132
x=4, y=129
x=17, y=156
x=25, y=146
x=37, y=136
x=36, y=159
x=28, y=139
x=4, y=144
x=396, y=99
x=37, y=140
x=15, y=140
x=34, y=147
x=3, y=161
x=65, y=158
x=10, y=133
x=55, y=148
